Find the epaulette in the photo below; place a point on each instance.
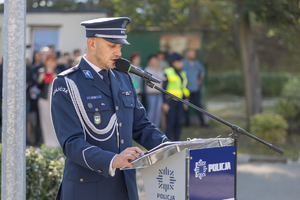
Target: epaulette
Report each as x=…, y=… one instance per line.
x=68, y=71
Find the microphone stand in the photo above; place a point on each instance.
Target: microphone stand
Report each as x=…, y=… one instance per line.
x=236, y=133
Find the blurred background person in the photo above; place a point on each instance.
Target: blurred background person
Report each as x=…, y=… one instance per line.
x=135, y=59
x=36, y=59
x=46, y=76
x=29, y=84
x=175, y=83
x=39, y=59
x=195, y=73
x=153, y=96
x=76, y=61
x=63, y=62
x=163, y=64
x=76, y=53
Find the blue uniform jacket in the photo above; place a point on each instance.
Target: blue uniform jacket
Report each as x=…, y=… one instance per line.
x=88, y=154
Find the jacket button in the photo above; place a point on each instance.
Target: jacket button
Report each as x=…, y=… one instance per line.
x=81, y=180
x=120, y=124
x=131, y=105
x=117, y=107
x=122, y=141
x=99, y=171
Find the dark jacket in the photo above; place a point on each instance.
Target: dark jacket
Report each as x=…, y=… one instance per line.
x=88, y=154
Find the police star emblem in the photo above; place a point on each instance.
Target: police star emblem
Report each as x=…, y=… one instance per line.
x=97, y=118
x=200, y=169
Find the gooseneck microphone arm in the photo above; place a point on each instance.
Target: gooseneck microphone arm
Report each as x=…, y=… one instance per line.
x=237, y=131
x=124, y=65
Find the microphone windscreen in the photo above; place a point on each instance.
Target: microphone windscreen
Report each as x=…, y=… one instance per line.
x=122, y=64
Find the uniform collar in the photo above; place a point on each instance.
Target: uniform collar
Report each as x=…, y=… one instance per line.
x=97, y=69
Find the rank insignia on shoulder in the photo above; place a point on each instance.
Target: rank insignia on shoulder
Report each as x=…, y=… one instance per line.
x=87, y=74
x=97, y=118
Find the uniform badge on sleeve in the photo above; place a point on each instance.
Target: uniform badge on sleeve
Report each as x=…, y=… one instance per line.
x=97, y=118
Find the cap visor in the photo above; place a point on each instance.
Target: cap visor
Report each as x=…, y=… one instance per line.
x=117, y=41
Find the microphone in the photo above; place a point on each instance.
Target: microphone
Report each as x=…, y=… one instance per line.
x=124, y=65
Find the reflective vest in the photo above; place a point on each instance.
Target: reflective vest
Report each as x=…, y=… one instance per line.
x=175, y=86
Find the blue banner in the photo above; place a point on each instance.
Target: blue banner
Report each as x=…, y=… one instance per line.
x=212, y=173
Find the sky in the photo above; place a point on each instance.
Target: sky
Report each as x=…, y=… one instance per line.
x=1, y=1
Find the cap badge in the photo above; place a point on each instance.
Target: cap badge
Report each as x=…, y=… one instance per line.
x=124, y=23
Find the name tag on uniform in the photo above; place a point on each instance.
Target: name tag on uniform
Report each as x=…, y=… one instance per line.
x=94, y=97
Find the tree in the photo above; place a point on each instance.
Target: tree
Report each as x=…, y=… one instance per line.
x=279, y=13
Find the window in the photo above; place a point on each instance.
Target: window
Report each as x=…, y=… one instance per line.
x=45, y=37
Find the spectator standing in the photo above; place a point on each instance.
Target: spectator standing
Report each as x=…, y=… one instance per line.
x=135, y=59
x=46, y=76
x=29, y=84
x=195, y=73
x=154, y=97
x=64, y=62
x=39, y=59
x=163, y=64
x=175, y=83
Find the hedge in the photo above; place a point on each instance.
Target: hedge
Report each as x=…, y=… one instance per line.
x=44, y=170
x=232, y=83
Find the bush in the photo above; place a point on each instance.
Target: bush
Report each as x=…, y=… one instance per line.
x=269, y=127
x=233, y=83
x=289, y=103
x=44, y=170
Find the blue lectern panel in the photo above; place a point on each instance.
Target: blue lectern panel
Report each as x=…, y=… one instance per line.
x=212, y=173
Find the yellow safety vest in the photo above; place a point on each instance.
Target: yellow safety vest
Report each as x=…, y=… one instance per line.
x=175, y=86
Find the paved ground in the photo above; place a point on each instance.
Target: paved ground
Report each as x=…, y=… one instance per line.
x=267, y=181
x=257, y=180
x=261, y=181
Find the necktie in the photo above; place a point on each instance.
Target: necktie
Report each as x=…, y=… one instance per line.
x=104, y=73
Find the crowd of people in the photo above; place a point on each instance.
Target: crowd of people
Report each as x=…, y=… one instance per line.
x=41, y=70
x=181, y=77
x=173, y=70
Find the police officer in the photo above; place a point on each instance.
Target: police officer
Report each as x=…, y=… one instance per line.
x=175, y=83
x=96, y=115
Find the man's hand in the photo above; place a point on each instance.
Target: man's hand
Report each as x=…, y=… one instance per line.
x=126, y=156
x=165, y=108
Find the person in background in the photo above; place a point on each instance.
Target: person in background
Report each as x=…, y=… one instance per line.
x=35, y=92
x=36, y=59
x=153, y=96
x=76, y=61
x=175, y=83
x=135, y=59
x=76, y=53
x=46, y=76
x=29, y=84
x=195, y=74
x=163, y=64
x=63, y=63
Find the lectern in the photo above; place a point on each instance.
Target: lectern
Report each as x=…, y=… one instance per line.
x=198, y=169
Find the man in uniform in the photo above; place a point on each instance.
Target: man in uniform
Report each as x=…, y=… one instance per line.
x=96, y=115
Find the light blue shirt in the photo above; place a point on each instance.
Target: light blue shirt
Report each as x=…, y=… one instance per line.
x=193, y=71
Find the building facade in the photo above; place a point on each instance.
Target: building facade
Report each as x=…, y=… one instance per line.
x=58, y=28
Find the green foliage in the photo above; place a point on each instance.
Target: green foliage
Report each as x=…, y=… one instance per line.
x=269, y=127
x=44, y=170
x=232, y=83
x=289, y=103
